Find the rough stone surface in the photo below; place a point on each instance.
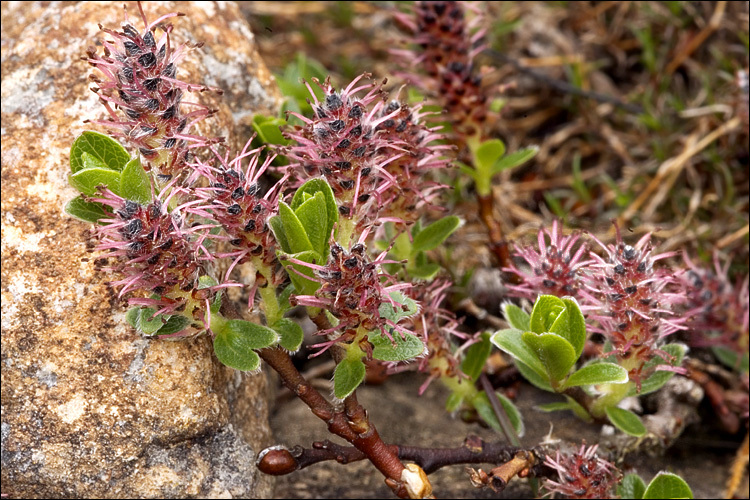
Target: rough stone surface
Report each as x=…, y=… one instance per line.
x=90, y=409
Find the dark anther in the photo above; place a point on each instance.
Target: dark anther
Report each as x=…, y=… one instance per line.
x=610, y=281
x=148, y=39
x=641, y=267
x=158, y=290
x=169, y=112
x=151, y=83
x=402, y=126
x=321, y=114
x=147, y=60
x=336, y=250
x=151, y=104
x=389, y=123
x=344, y=210
x=628, y=253
x=343, y=144
x=250, y=226
x=166, y=245
x=236, y=242
x=133, y=228
x=359, y=249
x=392, y=106
x=333, y=102
x=136, y=246
x=170, y=142
x=359, y=152
x=343, y=165
x=253, y=189
x=148, y=130
x=131, y=48
x=154, y=259
x=238, y=193
x=257, y=208
x=614, y=297
x=170, y=70
x=549, y=283
x=148, y=153
x=350, y=263
x=337, y=125
x=155, y=209
x=234, y=209
x=129, y=30
x=584, y=470
x=127, y=73
x=355, y=112
x=182, y=125
x=129, y=210
x=631, y=289
x=619, y=269
x=356, y=131
x=162, y=51
x=363, y=198
x=365, y=171
x=257, y=250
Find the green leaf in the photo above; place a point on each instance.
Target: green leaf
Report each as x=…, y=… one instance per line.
x=401, y=349
x=731, y=359
x=535, y=379
x=476, y=356
x=250, y=335
x=454, y=402
x=598, y=373
x=312, y=187
x=667, y=485
x=90, y=161
x=487, y=154
x=511, y=341
x=314, y=218
x=555, y=353
x=88, y=179
x=232, y=352
x=625, y=420
x=575, y=330
x=89, y=211
x=515, y=159
x=268, y=129
x=485, y=410
x=102, y=147
x=349, y=373
x=140, y=318
x=277, y=226
x=516, y=317
x=557, y=406
x=135, y=183
x=433, y=235
x=632, y=486
x=546, y=310
x=174, y=324
x=659, y=378
x=302, y=285
x=294, y=230
x=405, y=307
x=284, y=297
x=290, y=333
x=206, y=281
x=426, y=272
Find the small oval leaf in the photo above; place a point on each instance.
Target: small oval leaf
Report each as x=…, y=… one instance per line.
x=632, y=486
x=100, y=146
x=555, y=353
x=87, y=180
x=401, y=349
x=516, y=317
x=625, y=420
x=546, y=310
x=515, y=159
x=476, y=356
x=135, y=184
x=294, y=230
x=598, y=373
x=89, y=211
x=250, y=335
x=667, y=485
x=433, y=235
x=290, y=333
x=349, y=373
x=485, y=410
x=511, y=341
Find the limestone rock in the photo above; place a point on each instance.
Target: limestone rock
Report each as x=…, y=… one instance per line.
x=89, y=408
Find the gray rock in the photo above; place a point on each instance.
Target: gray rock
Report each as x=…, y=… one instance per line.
x=89, y=408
